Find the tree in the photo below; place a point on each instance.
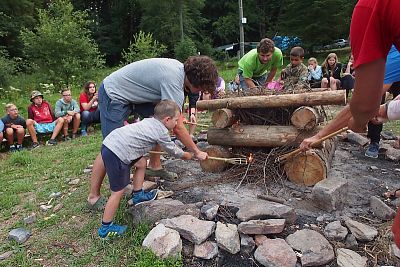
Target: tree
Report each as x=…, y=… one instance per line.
x=61, y=44
x=7, y=67
x=185, y=49
x=142, y=47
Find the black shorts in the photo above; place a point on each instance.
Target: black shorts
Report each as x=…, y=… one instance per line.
x=117, y=171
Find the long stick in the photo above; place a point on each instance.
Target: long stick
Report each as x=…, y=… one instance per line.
x=197, y=124
x=316, y=143
x=229, y=160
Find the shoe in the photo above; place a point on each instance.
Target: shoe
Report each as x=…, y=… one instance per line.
x=19, y=147
x=66, y=137
x=13, y=148
x=84, y=133
x=112, y=230
x=51, y=142
x=34, y=145
x=372, y=151
x=74, y=136
x=143, y=197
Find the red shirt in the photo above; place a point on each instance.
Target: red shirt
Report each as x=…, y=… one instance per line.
x=84, y=98
x=42, y=114
x=375, y=26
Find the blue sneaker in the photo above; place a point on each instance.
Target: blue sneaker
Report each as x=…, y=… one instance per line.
x=84, y=133
x=112, y=230
x=142, y=197
x=372, y=151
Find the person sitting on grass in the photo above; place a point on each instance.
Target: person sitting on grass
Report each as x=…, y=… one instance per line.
x=331, y=70
x=295, y=75
x=315, y=73
x=14, y=126
x=68, y=109
x=41, y=119
x=88, y=101
x=125, y=147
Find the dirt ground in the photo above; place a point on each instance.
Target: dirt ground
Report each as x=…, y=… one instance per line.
x=349, y=162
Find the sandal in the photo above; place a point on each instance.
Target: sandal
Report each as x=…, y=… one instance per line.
x=391, y=194
x=99, y=205
x=162, y=173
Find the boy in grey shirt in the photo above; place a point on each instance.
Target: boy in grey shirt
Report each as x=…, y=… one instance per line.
x=124, y=147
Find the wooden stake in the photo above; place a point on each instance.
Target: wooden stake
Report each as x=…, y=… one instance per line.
x=197, y=124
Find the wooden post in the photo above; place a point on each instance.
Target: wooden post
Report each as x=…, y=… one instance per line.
x=223, y=118
x=305, y=118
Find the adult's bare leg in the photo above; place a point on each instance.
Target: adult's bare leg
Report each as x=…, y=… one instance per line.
x=96, y=179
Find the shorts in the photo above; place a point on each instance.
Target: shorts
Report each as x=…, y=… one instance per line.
x=393, y=110
x=45, y=127
x=118, y=173
x=113, y=113
x=392, y=67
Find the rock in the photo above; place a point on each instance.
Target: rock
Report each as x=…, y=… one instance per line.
x=30, y=219
x=262, y=227
x=393, y=154
x=374, y=168
x=55, y=195
x=58, y=207
x=45, y=208
x=164, y=242
x=227, y=237
x=349, y=258
x=202, y=145
x=275, y=253
x=74, y=181
x=247, y=243
x=395, y=250
x=162, y=209
x=330, y=194
x=209, y=211
x=335, y=231
x=191, y=228
x=5, y=255
x=351, y=242
x=87, y=170
x=202, y=137
x=315, y=249
x=381, y=210
x=259, y=239
x=19, y=234
x=149, y=185
x=361, y=232
x=208, y=250
x=261, y=209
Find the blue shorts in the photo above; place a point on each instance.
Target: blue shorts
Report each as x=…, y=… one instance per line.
x=45, y=127
x=119, y=174
x=392, y=68
x=113, y=113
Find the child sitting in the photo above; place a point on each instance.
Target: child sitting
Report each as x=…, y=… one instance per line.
x=125, y=147
x=331, y=70
x=14, y=125
x=68, y=109
x=295, y=75
x=315, y=73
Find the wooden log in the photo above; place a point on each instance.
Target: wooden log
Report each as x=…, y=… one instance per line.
x=257, y=136
x=305, y=118
x=357, y=138
x=312, y=166
x=210, y=165
x=223, y=118
x=337, y=97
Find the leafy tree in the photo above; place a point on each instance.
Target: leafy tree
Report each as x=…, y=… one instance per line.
x=185, y=49
x=61, y=44
x=142, y=47
x=7, y=67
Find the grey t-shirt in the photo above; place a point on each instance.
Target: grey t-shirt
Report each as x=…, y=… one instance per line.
x=147, y=81
x=134, y=140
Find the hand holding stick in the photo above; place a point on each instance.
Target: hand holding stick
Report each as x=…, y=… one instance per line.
x=234, y=161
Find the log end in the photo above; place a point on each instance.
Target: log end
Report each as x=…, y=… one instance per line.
x=210, y=165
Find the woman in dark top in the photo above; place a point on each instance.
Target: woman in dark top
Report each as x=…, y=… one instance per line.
x=331, y=70
x=347, y=81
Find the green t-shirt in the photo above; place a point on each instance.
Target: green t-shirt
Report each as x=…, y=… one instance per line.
x=251, y=66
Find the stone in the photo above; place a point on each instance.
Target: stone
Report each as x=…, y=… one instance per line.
x=393, y=154
x=313, y=246
x=259, y=239
x=349, y=258
x=207, y=250
x=164, y=242
x=45, y=208
x=6, y=255
x=335, y=231
x=227, y=237
x=351, y=242
x=162, y=209
x=262, y=227
x=74, y=181
x=261, y=209
x=209, y=211
x=30, y=219
x=395, y=250
x=20, y=235
x=55, y=195
x=330, y=194
x=381, y=210
x=86, y=171
x=374, y=168
x=191, y=228
x=58, y=207
x=247, y=244
x=275, y=253
x=361, y=232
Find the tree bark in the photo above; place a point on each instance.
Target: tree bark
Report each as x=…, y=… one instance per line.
x=305, y=118
x=337, y=97
x=223, y=118
x=257, y=136
x=210, y=165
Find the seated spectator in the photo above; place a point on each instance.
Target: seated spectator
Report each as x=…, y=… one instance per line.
x=41, y=119
x=348, y=78
x=331, y=70
x=68, y=109
x=295, y=75
x=88, y=101
x=14, y=126
x=315, y=73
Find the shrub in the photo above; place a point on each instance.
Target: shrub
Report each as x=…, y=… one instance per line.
x=185, y=49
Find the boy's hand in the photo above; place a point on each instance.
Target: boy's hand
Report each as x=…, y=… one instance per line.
x=187, y=156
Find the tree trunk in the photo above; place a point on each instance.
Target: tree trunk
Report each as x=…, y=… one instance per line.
x=257, y=136
x=312, y=166
x=305, y=118
x=210, y=165
x=337, y=97
x=223, y=118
